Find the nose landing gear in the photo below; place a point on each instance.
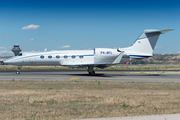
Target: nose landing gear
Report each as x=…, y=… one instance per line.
x=18, y=70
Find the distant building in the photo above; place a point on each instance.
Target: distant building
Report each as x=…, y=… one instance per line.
x=15, y=50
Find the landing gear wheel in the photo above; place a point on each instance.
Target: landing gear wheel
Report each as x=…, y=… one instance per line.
x=90, y=70
x=18, y=72
x=92, y=73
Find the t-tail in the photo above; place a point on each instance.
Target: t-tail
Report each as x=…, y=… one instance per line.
x=145, y=44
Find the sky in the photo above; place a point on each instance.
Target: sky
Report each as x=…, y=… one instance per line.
x=86, y=24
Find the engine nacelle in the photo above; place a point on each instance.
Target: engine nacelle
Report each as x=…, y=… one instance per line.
x=105, y=55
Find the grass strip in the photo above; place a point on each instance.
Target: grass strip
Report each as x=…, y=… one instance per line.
x=76, y=99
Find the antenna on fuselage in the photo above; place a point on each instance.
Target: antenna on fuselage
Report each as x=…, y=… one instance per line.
x=16, y=50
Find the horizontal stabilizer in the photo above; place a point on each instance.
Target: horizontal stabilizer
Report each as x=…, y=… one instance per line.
x=118, y=59
x=157, y=31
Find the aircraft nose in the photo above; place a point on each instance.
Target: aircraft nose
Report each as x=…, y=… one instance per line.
x=6, y=62
x=11, y=61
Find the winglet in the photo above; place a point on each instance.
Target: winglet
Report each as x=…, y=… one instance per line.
x=118, y=59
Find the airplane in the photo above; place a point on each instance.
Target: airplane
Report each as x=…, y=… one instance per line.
x=99, y=57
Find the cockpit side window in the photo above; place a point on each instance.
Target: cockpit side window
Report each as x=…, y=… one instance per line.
x=20, y=54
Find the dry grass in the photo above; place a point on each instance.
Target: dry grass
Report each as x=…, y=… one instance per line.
x=85, y=99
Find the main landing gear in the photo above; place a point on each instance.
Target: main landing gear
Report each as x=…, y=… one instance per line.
x=91, y=71
x=18, y=70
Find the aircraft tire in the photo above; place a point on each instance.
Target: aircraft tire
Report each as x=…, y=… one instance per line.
x=92, y=73
x=18, y=72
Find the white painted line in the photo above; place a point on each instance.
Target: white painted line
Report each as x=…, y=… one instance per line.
x=147, y=117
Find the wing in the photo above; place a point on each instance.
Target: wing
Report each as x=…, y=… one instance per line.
x=100, y=65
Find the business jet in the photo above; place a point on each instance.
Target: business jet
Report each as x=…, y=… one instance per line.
x=99, y=57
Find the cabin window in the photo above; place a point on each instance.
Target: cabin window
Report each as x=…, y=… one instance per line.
x=81, y=56
x=65, y=56
x=49, y=56
x=57, y=56
x=73, y=56
x=41, y=56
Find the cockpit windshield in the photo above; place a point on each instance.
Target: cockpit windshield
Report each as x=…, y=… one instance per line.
x=20, y=54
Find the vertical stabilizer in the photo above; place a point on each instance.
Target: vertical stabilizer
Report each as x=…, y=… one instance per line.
x=145, y=44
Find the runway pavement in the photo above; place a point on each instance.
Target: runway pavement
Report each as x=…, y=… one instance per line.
x=146, y=117
x=121, y=76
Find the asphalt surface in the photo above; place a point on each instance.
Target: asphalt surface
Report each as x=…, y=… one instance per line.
x=122, y=76
x=147, y=117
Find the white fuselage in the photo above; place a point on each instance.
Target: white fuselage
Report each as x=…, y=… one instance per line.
x=73, y=58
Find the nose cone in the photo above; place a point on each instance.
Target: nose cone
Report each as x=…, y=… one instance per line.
x=13, y=61
x=6, y=62
x=9, y=62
